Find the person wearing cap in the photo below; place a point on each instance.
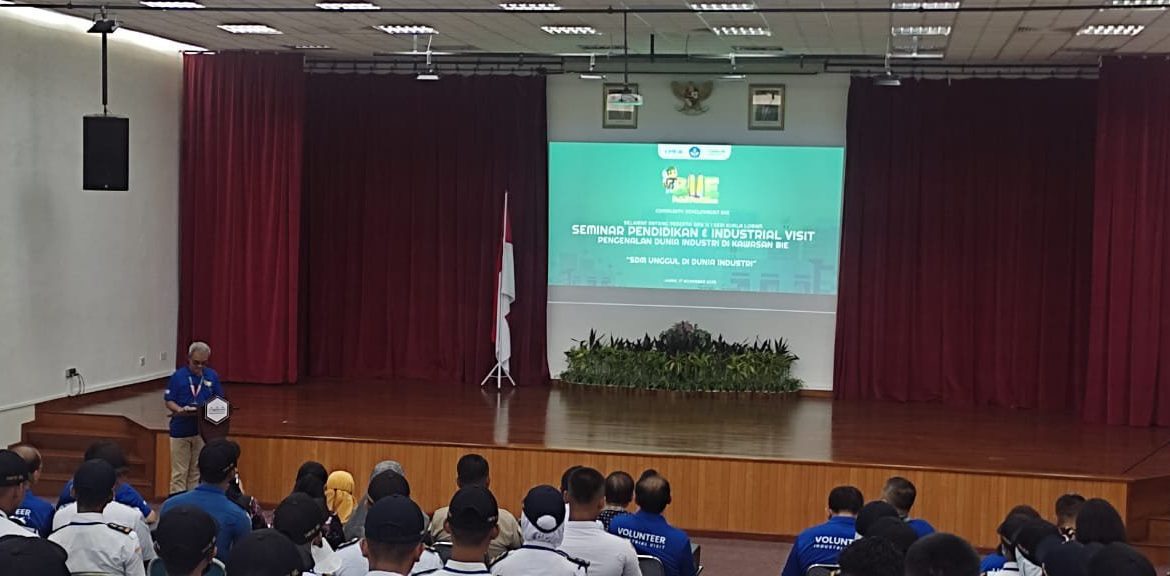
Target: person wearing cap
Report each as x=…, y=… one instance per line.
x=543, y=525
x=265, y=552
x=185, y=541
x=302, y=519
x=13, y=478
x=472, y=470
x=586, y=538
x=394, y=537
x=217, y=470
x=124, y=493
x=649, y=531
x=190, y=387
x=472, y=522
x=1032, y=540
x=871, y=513
x=34, y=511
x=901, y=494
x=114, y=513
x=356, y=526
x=94, y=544
x=1008, y=530
x=383, y=485
x=821, y=544
x=20, y=555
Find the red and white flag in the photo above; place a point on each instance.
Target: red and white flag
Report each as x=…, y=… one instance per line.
x=505, y=293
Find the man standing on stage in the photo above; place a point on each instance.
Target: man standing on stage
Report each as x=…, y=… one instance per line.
x=190, y=387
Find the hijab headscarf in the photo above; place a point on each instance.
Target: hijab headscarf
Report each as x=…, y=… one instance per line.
x=339, y=494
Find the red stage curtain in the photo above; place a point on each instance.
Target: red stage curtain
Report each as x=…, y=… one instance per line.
x=240, y=188
x=966, y=249
x=1129, y=329
x=404, y=184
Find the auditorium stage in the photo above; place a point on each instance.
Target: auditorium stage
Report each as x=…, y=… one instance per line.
x=747, y=464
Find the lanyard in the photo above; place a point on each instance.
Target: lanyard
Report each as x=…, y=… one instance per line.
x=195, y=389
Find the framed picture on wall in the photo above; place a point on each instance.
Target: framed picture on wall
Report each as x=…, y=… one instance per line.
x=766, y=107
x=614, y=115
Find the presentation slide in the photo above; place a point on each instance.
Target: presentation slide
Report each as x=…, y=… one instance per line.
x=695, y=216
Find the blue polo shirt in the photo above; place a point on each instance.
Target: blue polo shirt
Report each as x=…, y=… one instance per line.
x=187, y=389
x=233, y=522
x=650, y=534
x=821, y=544
x=921, y=527
x=35, y=513
x=992, y=562
x=123, y=493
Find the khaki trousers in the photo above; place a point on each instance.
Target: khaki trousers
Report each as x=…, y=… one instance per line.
x=185, y=463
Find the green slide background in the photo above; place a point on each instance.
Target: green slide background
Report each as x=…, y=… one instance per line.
x=796, y=188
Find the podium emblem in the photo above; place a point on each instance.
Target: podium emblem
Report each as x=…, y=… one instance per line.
x=216, y=411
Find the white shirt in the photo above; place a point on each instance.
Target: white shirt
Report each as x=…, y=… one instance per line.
x=457, y=568
x=536, y=560
x=354, y=564
x=1008, y=569
x=95, y=546
x=9, y=527
x=115, y=513
x=607, y=554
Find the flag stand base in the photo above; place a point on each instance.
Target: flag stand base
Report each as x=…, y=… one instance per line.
x=499, y=373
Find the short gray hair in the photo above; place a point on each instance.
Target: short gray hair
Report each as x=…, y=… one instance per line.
x=389, y=465
x=198, y=347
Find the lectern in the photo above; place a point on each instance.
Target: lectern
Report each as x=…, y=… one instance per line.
x=215, y=419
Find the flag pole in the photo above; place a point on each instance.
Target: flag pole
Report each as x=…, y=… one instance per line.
x=499, y=372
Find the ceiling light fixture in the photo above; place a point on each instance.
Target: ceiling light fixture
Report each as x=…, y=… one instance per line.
x=591, y=75
x=172, y=5
x=919, y=55
x=925, y=5
x=722, y=6
x=430, y=75
x=741, y=31
x=531, y=6
x=1147, y=4
x=920, y=30
x=1111, y=30
x=343, y=6
x=570, y=30
x=249, y=29
x=402, y=29
x=310, y=47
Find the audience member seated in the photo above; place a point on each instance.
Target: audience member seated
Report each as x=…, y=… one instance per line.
x=649, y=531
x=126, y=494
x=264, y=553
x=114, y=513
x=217, y=470
x=1098, y=522
x=996, y=560
x=871, y=513
x=1119, y=559
x=542, y=523
x=93, y=544
x=185, y=541
x=1007, y=531
x=394, y=537
x=13, y=476
x=339, y=498
x=302, y=519
x=1069, y=559
x=472, y=470
x=355, y=526
x=22, y=555
x=1067, y=508
x=870, y=557
x=1032, y=539
x=34, y=512
x=472, y=520
x=821, y=544
x=585, y=538
x=619, y=492
x=895, y=531
x=940, y=554
x=901, y=494
x=384, y=485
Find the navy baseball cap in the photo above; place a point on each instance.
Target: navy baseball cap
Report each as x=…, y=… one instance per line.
x=473, y=507
x=95, y=478
x=24, y=555
x=395, y=519
x=299, y=517
x=544, y=507
x=185, y=534
x=13, y=469
x=265, y=553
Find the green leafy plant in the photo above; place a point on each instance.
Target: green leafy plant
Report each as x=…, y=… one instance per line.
x=683, y=357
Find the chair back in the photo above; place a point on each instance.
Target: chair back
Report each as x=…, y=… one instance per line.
x=821, y=570
x=444, y=550
x=650, y=566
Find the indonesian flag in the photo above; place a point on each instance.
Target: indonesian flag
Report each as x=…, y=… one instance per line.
x=505, y=293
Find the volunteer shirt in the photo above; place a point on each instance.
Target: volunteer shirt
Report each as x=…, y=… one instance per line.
x=114, y=513
x=821, y=544
x=123, y=493
x=921, y=527
x=233, y=522
x=991, y=562
x=651, y=535
x=607, y=555
x=354, y=564
x=187, y=389
x=10, y=528
x=36, y=513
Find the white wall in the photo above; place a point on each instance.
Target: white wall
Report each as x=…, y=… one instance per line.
x=815, y=117
x=87, y=279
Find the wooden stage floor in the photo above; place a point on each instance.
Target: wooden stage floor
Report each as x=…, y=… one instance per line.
x=780, y=454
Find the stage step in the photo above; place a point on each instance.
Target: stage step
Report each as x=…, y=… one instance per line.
x=1158, y=530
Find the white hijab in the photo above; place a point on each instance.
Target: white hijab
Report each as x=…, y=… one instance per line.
x=549, y=533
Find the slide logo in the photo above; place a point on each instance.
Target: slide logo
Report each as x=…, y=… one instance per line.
x=694, y=152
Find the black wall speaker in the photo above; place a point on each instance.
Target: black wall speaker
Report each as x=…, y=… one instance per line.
x=106, y=156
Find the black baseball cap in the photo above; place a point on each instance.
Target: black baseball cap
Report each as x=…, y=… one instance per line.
x=544, y=507
x=95, y=478
x=473, y=507
x=871, y=512
x=264, y=553
x=185, y=535
x=1010, y=528
x=387, y=483
x=299, y=517
x=1031, y=535
x=219, y=456
x=395, y=519
x=13, y=469
x=24, y=555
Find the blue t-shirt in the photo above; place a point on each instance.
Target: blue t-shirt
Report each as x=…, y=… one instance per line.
x=35, y=513
x=187, y=389
x=921, y=527
x=992, y=562
x=123, y=494
x=650, y=534
x=233, y=522
x=821, y=544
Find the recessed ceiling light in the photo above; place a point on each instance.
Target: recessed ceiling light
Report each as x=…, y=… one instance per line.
x=407, y=29
x=1141, y=3
x=249, y=29
x=311, y=47
x=348, y=6
x=1111, y=30
x=924, y=5
x=918, y=54
x=570, y=30
x=530, y=6
x=172, y=5
x=920, y=30
x=741, y=31
x=722, y=6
